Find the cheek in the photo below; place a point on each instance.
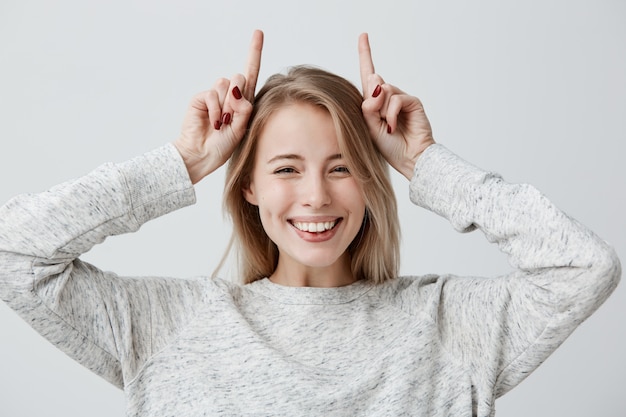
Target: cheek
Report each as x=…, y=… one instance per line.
x=273, y=202
x=276, y=195
x=267, y=222
x=353, y=197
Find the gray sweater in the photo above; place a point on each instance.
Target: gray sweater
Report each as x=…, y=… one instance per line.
x=436, y=345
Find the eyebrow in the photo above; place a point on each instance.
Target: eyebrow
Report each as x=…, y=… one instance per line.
x=300, y=157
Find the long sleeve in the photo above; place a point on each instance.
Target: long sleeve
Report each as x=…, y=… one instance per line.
x=103, y=321
x=502, y=328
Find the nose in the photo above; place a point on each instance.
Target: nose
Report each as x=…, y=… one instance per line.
x=316, y=192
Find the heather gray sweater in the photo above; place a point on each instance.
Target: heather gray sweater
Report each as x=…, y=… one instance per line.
x=436, y=345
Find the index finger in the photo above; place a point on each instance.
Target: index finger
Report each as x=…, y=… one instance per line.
x=253, y=65
x=365, y=60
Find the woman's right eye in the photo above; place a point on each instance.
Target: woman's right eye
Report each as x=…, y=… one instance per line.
x=286, y=170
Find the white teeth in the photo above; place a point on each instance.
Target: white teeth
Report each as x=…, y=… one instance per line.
x=314, y=227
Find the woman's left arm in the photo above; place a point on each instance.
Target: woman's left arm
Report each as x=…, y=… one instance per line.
x=501, y=328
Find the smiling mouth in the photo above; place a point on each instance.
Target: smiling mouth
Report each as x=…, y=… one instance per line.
x=315, y=227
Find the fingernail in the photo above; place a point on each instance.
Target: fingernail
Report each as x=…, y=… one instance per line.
x=237, y=93
x=377, y=91
x=217, y=124
x=226, y=118
x=389, y=129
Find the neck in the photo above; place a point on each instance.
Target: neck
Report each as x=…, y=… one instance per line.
x=338, y=274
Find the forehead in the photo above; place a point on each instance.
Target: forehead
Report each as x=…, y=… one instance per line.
x=298, y=128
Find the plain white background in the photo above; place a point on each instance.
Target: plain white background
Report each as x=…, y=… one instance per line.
x=534, y=90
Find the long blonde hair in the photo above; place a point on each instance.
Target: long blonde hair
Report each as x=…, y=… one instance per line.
x=375, y=250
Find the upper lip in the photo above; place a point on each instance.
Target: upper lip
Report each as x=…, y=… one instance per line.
x=314, y=219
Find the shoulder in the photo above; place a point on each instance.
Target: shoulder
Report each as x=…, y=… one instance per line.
x=216, y=289
x=411, y=294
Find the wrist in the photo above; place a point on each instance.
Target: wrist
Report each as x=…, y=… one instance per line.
x=197, y=164
x=407, y=167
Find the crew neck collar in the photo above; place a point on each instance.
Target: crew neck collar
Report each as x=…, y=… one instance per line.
x=310, y=295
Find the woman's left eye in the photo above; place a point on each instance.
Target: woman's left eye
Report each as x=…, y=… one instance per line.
x=341, y=169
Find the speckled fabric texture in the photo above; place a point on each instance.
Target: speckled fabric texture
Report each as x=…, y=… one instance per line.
x=437, y=345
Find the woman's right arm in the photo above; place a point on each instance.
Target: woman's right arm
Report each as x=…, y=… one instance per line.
x=105, y=322
x=97, y=318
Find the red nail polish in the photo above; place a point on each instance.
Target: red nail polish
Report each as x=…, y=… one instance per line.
x=389, y=129
x=377, y=91
x=237, y=93
x=217, y=124
x=226, y=118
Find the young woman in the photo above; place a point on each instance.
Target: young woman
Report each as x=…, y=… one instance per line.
x=322, y=324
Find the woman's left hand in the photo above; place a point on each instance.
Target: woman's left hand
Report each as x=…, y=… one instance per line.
x=396, y=120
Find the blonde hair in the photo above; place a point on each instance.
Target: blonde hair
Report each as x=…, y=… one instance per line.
x=375, y=250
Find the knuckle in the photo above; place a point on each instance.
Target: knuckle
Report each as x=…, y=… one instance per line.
x=222, y=83
x=238, y=78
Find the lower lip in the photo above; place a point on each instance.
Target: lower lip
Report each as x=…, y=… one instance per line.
x=317, y=236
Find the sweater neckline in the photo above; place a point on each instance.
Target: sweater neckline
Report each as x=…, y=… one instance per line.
x=310, y=295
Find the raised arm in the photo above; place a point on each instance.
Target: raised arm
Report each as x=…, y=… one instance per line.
x=97, y=318
x=100, y=319
x=500, y=328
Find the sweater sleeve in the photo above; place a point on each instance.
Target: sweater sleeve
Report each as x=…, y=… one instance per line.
x=502, y=328
x=103, y=321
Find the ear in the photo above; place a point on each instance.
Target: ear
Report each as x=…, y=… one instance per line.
x=249, y=193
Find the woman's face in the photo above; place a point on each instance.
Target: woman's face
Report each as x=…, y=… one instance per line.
x=310, y=205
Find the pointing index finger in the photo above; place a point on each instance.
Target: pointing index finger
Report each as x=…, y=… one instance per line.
x=253, y=65
x=365, y=60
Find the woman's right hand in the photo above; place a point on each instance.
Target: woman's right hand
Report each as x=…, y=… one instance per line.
x=216, y=119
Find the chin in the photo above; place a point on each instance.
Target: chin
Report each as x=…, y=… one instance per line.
x=319, y=261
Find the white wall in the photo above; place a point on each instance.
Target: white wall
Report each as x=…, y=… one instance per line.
x=535, y=90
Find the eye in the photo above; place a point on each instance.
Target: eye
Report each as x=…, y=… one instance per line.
x=341, y=169
x=285, y=170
